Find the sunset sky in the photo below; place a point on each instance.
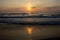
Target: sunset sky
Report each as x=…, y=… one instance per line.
x=5, y=4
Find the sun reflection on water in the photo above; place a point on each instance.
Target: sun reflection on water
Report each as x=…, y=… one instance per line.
x=29, y=30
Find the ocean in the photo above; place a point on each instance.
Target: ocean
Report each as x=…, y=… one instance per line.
x=30, y=20
x=29, y=28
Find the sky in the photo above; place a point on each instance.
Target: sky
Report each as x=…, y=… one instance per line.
x=24, y=3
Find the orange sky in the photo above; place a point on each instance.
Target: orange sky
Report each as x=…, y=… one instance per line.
x=22, y=5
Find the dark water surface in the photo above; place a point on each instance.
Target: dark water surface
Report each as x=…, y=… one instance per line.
x=29, y=19
x=20, y=32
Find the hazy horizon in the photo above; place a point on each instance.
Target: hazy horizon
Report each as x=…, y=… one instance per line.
x=36, y=6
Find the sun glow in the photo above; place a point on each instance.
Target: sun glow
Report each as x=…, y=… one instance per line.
x=29, y=8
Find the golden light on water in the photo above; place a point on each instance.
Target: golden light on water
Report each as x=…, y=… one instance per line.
x=29, y=29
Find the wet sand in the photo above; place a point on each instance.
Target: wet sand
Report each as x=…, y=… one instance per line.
x=19, y=32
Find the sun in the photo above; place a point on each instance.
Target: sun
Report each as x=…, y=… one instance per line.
x=29, y=9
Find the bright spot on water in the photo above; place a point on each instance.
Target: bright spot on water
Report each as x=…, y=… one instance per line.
x=29, y=29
